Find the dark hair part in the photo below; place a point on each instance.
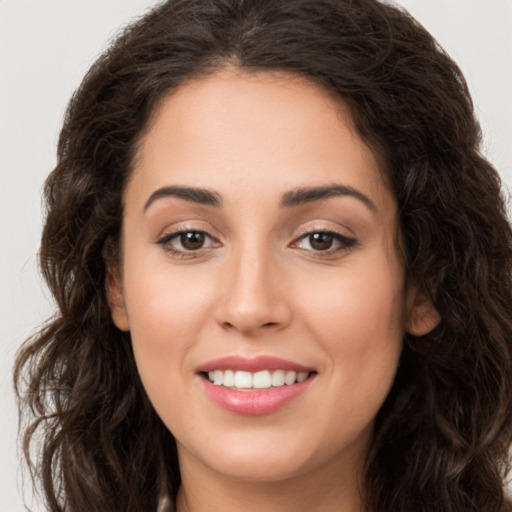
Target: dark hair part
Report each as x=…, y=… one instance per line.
x=442, y=436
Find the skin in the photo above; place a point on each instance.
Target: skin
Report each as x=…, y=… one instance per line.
x=259, y=286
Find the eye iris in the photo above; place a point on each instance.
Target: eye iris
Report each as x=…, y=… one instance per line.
x=192, y=240
x=321, y=241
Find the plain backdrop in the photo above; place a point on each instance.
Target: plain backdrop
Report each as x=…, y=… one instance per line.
x=46, y=47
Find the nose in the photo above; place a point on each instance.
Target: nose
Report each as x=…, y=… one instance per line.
x=254, y=299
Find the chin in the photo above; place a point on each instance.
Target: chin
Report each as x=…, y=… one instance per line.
x=272, y=457
x=260, y=468
x=251, y=456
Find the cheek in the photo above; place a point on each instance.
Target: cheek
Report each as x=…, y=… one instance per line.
x=362, y=307
x=164, y=300
x=357, y=319
x=166, y=312
x=165, y=323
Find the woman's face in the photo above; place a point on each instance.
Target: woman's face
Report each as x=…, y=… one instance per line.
x=259, y=240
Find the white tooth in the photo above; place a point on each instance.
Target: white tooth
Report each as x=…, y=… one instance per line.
x=217, y=377
x=290, y=377
x=278, y=378
x=301, y=376
x=243, y=379
x=210, y=376
x=261, y=380
x=229, y=378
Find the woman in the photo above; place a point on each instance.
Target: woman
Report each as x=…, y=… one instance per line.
x=282, y=269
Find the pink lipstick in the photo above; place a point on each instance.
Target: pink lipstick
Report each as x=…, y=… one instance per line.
x=254, y=386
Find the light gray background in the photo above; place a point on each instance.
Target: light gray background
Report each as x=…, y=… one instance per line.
x=45, y=48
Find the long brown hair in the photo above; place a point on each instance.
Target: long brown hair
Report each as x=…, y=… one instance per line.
x=93, y=440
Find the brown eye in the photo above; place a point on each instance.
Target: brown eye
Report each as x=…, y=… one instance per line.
x=192, y=240
x=321, y=241
x=327, y=242
x=183, y=242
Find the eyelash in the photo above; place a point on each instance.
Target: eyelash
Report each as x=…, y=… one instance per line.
x=166, y=240
x=344, y=243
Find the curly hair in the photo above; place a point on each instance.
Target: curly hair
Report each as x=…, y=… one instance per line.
x=92, y=439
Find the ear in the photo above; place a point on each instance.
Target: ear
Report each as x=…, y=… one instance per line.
x=422, y=316
x=115, y=296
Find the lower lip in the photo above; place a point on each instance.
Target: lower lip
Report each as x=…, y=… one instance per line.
x=254, y=402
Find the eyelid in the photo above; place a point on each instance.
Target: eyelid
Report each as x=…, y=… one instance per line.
x=320, y=226
x=166, y=237
x=187, y=225
x=345, y=242
x=165, y=241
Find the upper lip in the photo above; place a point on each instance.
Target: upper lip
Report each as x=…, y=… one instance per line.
x=252, y=364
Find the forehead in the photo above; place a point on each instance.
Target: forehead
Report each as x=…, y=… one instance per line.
x=259, y=127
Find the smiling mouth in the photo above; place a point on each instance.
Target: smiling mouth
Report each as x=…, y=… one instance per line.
x=265, y=379
x=255, y=386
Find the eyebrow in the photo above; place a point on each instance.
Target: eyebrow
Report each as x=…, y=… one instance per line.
x=306, y=195
x=296, y=197
x=192, y=194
